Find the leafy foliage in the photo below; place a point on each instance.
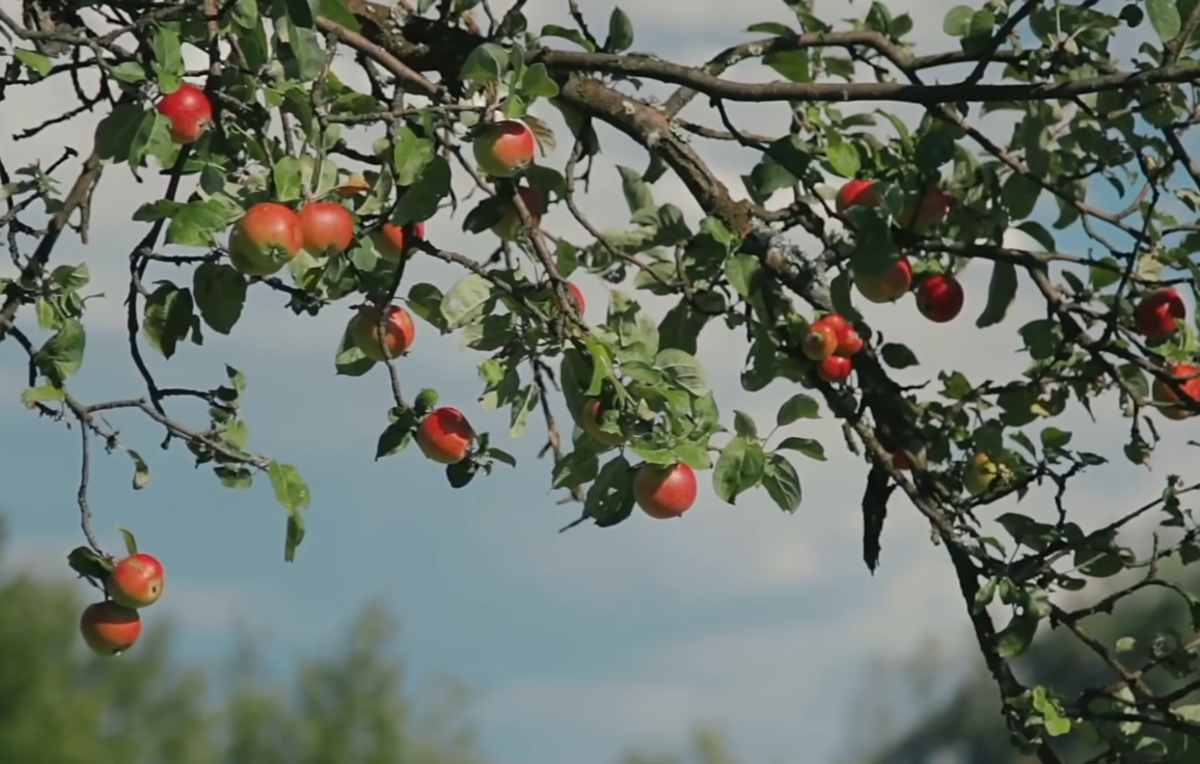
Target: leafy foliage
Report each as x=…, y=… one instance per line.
x=1090, y=104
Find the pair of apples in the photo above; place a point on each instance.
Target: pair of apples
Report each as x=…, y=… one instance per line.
x=112, y=626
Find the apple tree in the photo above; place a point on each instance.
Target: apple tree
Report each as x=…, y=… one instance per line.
x=885, y=180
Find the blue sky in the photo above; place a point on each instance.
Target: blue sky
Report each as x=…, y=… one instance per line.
x=579, y=644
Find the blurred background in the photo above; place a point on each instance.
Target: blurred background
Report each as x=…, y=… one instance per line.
x=354, y=702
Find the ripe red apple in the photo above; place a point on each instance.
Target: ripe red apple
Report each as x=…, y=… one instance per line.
x=664, y=491
x=328, y=227
x=509, y=227
x=932, y=210
x=1156, y=313
x=835, y=368
x=444, y=435
x=901, y=461
x=399, y=336
x=591, y=424
x=856, y=193
x=265, y=239
x=136, y=581
x=109, y=629
x=940, y=297
x=352, y=186
x=820, y=342
x=849, y=342
x=888, y=286
x=188, y=110
x=504, y=148
x=389, y=240
x=577, y=295
x=1161, y=393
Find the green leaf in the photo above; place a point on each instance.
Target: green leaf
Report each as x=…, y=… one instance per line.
x=575, y=469
x=337, y=11
x=843, y=158
x=467, y=300
x=196, y=224
x=1165, y=18
x=302, y=56
x=131, y=547
x=129, y=72
x=287, y=179
x=1052, y=437
x=633, y=326
x=791, y=64
x=34, y=61
x=898, y=356
x=410, y=155
x=1002, y=291
x=300, y=13
x=799, y=406
x=168, y=317
x=141, y=471
x=40, y=394
x=743, y=424
x=522, y=407
x=683, y=369
x=575, y=36
x=638, y=195
x=168, y=54
x=536, y=83
x=220, y=294
x=957, y=23
x=1015, y=638
x=620, y=31
x=487, y=63
x=782, y=482
x=422, y=199
x=807, y=446
x=61, y=356
x=739, y=468
x=610, y=498
x=1020, y=195
x=116, y=132
x=292, y=493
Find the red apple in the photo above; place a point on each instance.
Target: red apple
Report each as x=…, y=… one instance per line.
x=888, y=286
x=328, y=228
x=940, y=297
x=509, y=227
x=109, y=629
x=835, y=368
x=849, y=342
x=901, y=461
x=820, y=342
x=188, y=110
x=352, y=186
x=933, y=209
x=835, y=321
x=389, y=240
x=504, y=148
x=1156, y=313
x=136, y=581
x=856, y=193
x=399, y=336
x=444, y=435
x=1162, y=393
x=664, y=491
x=265, y=239
x=577, y=294
x=591, y=425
